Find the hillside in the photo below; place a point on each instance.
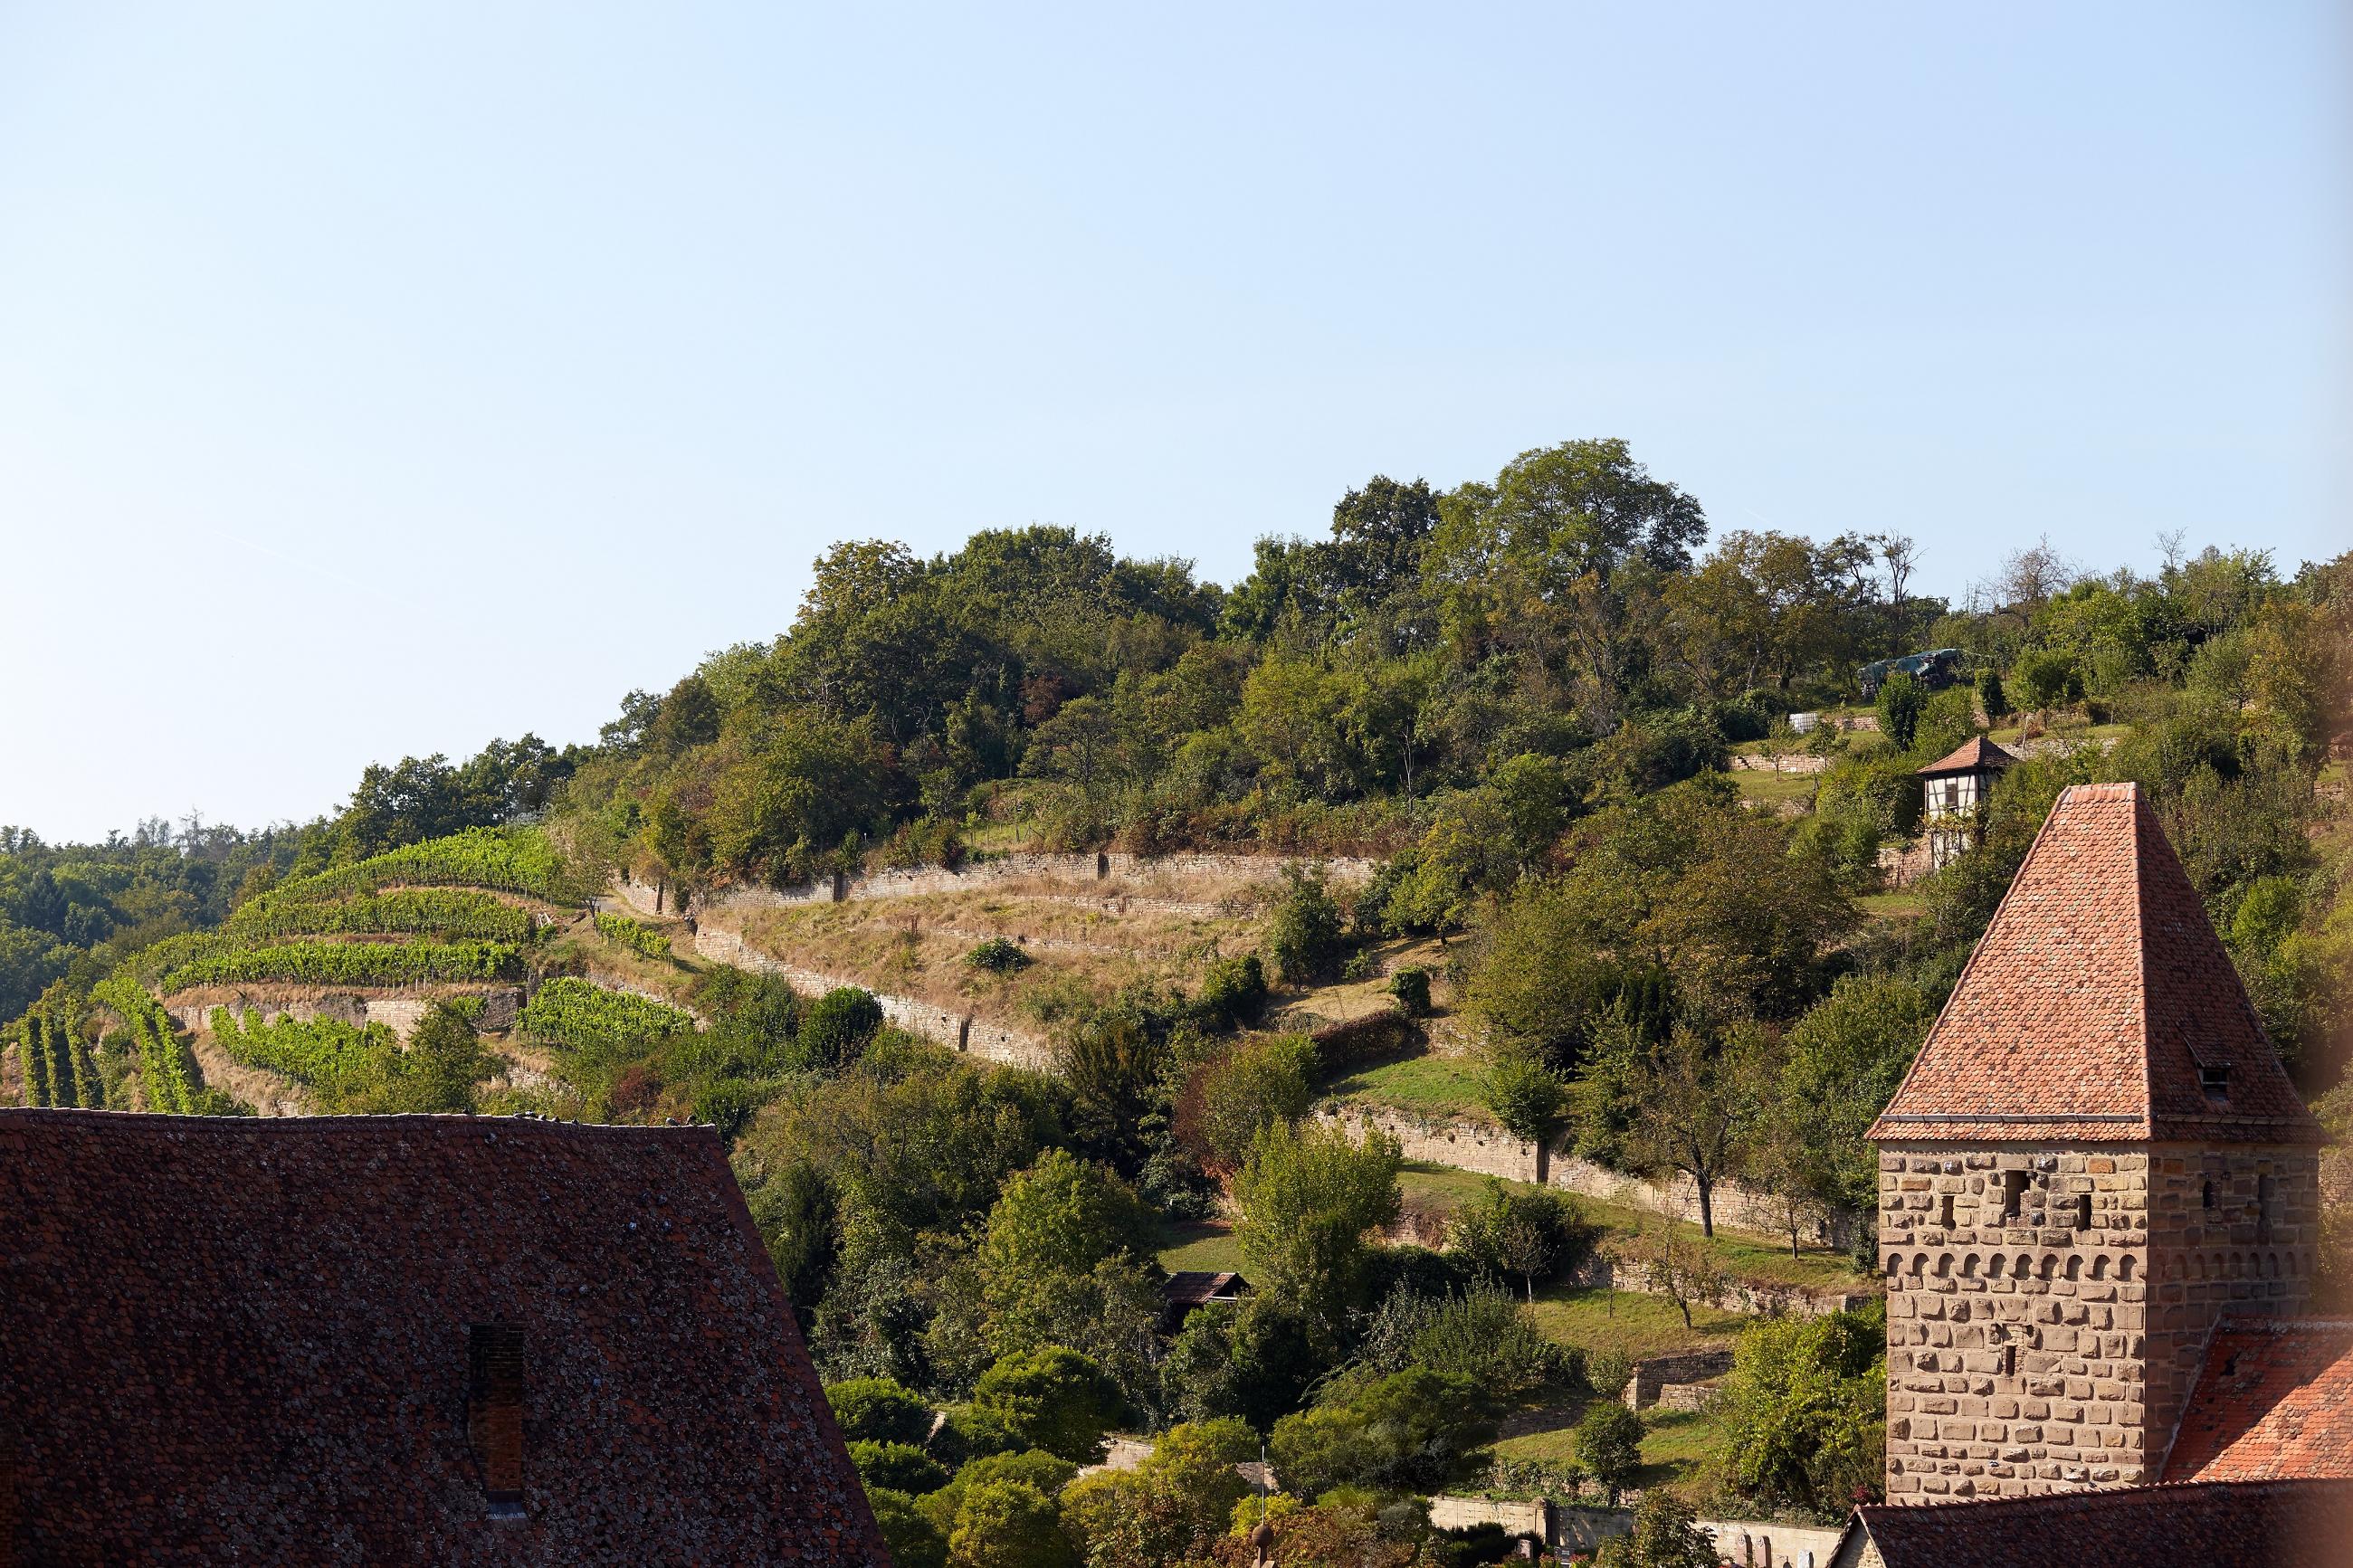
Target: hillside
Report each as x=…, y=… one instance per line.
x=1488, y=930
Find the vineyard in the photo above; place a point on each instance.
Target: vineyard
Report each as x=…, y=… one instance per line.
x=449, y=914
x=321, y=1054
x=643, y=940
x=597, y=1025
x=354, y=963
x=154, y=1044
x=58, y=1070
x=512, y=860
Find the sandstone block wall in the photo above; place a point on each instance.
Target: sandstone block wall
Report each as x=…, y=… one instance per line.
x=1659, y=1371
x=2015, y=1338
x=2232, y=1232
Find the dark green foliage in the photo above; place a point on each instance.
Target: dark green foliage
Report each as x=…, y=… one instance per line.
x=1666, y=1535
x=1525, y=1095
x=1991, y=695
x=1305, y=930
x=998, y=956
x=1609, y=1444
x=913, y=1541
x=1053, y=1399
x=1804, y=1410
x=878, y=1410
x=1901, y=701
x=835, y=1029
x=1530, y=1234
x=1253, y=1361
x=898, y=1466
x=1233, y=992
x=1481, y=1332
x=1411, y=988
x=1407, y=1432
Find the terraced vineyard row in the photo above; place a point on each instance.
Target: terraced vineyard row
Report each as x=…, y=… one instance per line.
x=448, y=913
x=354, y=963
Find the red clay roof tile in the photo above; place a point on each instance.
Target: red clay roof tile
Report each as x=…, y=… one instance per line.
x=1975, y=755
x=2245, y=1524
x=2274, y=1398
x=2094, y=1003
x=238, y=1338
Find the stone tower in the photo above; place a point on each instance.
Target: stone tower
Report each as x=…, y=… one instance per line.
x=2095, y=1158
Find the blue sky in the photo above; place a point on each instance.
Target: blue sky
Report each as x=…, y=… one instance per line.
x=376, y=379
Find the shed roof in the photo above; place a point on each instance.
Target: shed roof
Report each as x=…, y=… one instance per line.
x=2094, y=1003
x=1975, y=755
x=2274, y=1398
x=2242, y=1524
x=249, y=1339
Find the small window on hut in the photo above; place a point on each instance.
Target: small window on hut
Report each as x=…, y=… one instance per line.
x=494, y=1413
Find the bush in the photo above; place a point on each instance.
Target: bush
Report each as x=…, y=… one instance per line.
x=900, y=1467
x=878, y=1410
x=1901, y=698
x=1009, y=1524
x=1607, y=1373
x=1482, y=1333
x=1230, y=1098
x=1233, y=993
x=1411, y=989
x=728, y=1104
x=1609, y=1444
x=2048, y=678
x=1055, y=1400
x=1522, y=1093
x=998, y=956
x=1990, y=696
x=1532, y=1235
x=835, y=1029
x=1404, y=1433
x=913, y=1541
x=1305, y=932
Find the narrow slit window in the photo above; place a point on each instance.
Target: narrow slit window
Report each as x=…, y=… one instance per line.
x=2210, y=1194
x=2082, y=1211
x=494, y=1413
x=1947, y=1211
x=2013, y=1193
x=2010, y=1361
x=2264, y=1192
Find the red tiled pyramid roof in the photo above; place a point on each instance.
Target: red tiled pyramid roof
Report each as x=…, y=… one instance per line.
x=2242, y=1524
x=2093, y=1004
x=243, y=1339
x=2274, y=1399
x=1974, y=755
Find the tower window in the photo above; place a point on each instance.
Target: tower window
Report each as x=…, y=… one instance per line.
x=2210, y=1193
x=2082, y=1211
x=2263, y=1194
x=2010, y=1361
x=494, y=1413
x=1947, y=1211
x=2013, y=1193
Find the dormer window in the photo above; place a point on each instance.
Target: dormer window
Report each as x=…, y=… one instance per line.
x=494, y=1413
x=2215, y=1082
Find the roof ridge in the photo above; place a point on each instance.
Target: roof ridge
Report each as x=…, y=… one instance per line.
x=408, y=1120
x=2140, y=971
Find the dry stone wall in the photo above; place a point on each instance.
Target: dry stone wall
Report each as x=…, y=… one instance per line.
x=959, y=1031
x=1658, y=1373
x=401, y=1010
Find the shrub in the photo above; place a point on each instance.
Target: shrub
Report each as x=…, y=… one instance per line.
x=2048, y=678
x=1404, y=1433
x=1609, y=1444
x=1054, y=1400
x=835, y=1029
x=1608, y=1372
x=913, y=1541
x=1990, y=696
x=1305, y=930
x=1531, y=1234
x=1901, y=699
x=878, y=1410
x=1524, y=1094
x=1233, y=1095
x=998, y=956
x=728, y=1104
x=1233, y=992
x=900, y=1467
x=1009, y=1524
x=1411, y=988
x=1481, y=1333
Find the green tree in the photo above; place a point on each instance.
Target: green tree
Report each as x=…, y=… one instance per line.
x=1803, y=1410
x=1236, y=1092
x=1524, y=1094
x=1064, y=1260
x=1055, y=1400
x=1990, y=696
x=1843, y=1061
x=1309, y=1197
x=1666, y=1535
x=1171, y=1508
x=878, y=1410
x=438, y=1072
x=1609, y=1444
x=913, y=1541
x=1529, y=1233
x=1404, y=1433
x=835, y=1029
x=1009, y=1524
x=897, y=1467
x=1900, y=699
x=1305, y=929
x=1689, y=1103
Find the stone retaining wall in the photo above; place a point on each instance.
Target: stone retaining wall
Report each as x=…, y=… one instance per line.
x=1690, y=1366
x=1469, y=1512
x=1754, y=1544
x=401, y=1011
x=1488, y=1150
x=958, y=1031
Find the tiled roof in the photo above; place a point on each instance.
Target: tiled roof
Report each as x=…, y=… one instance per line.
x=1975, y=755
x=1195, y=1286
x=250, y=1339
x=2095, y=1001
x=2275, y=1398
x=2243, y=1524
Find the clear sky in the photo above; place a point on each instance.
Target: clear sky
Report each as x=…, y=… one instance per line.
x=378, y=379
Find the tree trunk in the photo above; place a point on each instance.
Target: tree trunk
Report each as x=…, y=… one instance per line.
x=1706, y=1184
